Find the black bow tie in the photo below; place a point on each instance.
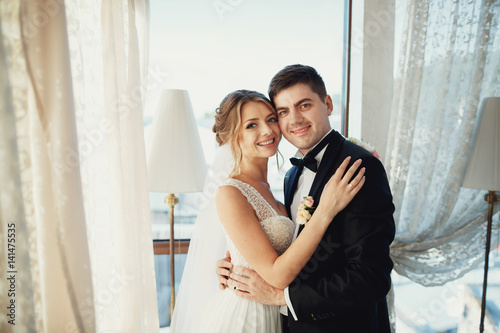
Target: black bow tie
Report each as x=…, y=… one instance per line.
x=308, y=162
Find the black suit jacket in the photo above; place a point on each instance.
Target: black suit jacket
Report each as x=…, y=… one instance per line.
x=344, y=285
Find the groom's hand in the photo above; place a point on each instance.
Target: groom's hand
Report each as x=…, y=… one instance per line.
x=223, y=269
x=248, y=284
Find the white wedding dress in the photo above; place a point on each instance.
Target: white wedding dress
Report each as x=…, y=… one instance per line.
x=229, y=313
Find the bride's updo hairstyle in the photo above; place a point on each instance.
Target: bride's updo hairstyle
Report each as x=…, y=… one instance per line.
x=228, y=121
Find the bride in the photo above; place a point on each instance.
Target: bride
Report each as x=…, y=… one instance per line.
x=255, y=225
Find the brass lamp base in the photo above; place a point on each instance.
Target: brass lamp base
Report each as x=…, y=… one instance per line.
x=491, y=198
x=171, y=200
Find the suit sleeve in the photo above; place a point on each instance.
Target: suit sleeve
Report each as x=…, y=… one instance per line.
x=351, y=267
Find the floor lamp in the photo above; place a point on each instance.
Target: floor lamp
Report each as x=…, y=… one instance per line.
x=483, y=171
x=176, y=163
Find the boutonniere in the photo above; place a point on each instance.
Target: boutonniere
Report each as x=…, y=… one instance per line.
x=365, y=145
x=305, y=210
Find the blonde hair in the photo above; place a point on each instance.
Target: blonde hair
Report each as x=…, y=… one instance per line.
x=228, y=121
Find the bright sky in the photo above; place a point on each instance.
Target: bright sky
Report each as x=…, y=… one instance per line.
x=212, y=47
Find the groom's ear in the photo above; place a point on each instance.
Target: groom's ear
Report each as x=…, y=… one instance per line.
x=329, y=104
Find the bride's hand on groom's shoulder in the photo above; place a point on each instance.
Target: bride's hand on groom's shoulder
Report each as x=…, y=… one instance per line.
x=248, y=284
x=223, y=269
x=341, y=188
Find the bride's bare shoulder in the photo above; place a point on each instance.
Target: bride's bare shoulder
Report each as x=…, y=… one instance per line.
x=233, y=207
x=230, y=197
x=227, y=192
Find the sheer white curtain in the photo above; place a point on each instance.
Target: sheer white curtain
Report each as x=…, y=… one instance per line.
x=450, y=60
x=73, y=165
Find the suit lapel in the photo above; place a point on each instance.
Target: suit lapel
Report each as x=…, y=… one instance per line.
x=325, y=170
x=291, y=180
x=327, y=166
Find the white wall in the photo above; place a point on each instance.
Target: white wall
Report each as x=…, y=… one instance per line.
x=372, y=50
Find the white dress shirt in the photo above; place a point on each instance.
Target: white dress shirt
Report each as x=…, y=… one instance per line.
x=304, y=184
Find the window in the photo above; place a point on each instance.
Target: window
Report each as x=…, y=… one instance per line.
x=211, y=48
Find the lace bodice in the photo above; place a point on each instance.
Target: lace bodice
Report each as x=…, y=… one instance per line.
x=279, y=229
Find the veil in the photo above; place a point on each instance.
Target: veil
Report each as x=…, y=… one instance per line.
x=208, y=244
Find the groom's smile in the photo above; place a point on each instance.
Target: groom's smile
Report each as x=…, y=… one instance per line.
x=301, y=131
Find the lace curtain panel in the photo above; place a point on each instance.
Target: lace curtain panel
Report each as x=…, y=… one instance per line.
x=450, y=61
x=72, y=169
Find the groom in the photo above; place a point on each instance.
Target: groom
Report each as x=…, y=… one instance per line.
x=344, y=285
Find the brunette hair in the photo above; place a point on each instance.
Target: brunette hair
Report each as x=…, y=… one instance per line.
x=228, y=120
x=293, y=74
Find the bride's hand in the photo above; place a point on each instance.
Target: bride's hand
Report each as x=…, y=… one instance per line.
x=223, y=270
x=339, y=192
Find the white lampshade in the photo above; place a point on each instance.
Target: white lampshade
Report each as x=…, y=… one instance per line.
x=483, y=169
x=176, y=163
